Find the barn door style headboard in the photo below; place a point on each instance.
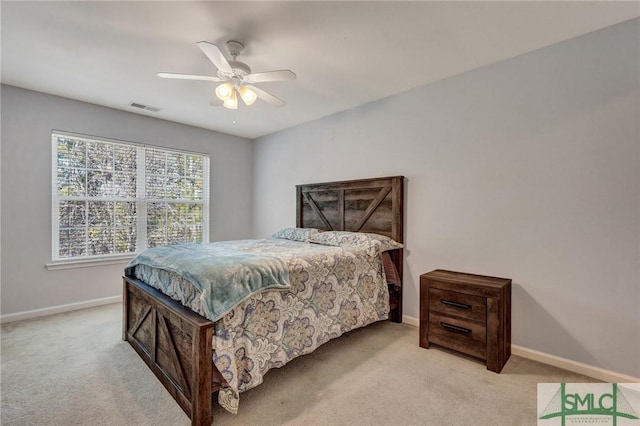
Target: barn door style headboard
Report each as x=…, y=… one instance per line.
x=366, y=205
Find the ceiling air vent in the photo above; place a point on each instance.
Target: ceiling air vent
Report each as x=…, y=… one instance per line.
x=145, y=107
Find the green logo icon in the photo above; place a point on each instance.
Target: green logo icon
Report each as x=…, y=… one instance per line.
x=587, y=403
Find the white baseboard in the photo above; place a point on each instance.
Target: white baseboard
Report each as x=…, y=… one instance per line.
x=556, y=361
x=58, y=309
x=406, y=319
x=573, y=366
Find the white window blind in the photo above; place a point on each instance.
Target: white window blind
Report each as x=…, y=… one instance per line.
x=112, y=198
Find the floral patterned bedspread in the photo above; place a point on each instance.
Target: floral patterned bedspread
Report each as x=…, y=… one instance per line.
x=333, y=290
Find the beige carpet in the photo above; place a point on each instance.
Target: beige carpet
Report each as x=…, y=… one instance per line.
x=74, y=369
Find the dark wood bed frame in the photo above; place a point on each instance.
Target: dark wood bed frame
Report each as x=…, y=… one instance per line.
x=176, y=343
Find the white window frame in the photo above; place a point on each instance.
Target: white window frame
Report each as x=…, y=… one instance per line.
x=140, y=199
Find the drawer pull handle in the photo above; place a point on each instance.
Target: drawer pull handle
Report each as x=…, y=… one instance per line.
x=455, y=328
x=455, y=304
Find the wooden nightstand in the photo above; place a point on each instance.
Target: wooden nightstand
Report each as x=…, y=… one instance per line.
x=468, y=313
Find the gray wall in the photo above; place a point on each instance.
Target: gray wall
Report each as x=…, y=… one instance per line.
x=528, y=169
x=27, y=120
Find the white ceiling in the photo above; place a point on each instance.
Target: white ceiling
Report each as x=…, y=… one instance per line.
x=344, y=53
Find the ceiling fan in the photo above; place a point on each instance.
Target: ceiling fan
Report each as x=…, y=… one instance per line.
x=235, y=76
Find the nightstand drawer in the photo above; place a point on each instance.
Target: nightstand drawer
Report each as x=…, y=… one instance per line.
x=458, y=304
x=474, y=349
x=454, y=328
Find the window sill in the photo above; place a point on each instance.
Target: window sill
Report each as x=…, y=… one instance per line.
x=87, y=263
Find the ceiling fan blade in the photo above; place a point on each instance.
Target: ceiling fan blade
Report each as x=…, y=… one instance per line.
x=262, y=77
x=267, y=97
x=215, y=55
x=187, y=76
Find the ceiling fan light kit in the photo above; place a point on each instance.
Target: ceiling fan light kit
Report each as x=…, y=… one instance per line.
x=224, y=90
x=248, y=96
x=235, y=76
x=228, y=92
x=232, y=100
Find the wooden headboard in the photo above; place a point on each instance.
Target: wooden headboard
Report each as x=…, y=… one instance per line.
x=366, y=205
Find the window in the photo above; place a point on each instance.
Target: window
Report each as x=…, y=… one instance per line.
x=114, y=198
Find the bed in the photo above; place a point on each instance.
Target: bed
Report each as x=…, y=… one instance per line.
x=176, y=340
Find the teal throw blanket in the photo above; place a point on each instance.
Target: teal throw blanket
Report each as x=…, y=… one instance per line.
x=224, y=276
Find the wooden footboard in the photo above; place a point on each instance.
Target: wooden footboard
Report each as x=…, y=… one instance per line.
x=175, y=343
